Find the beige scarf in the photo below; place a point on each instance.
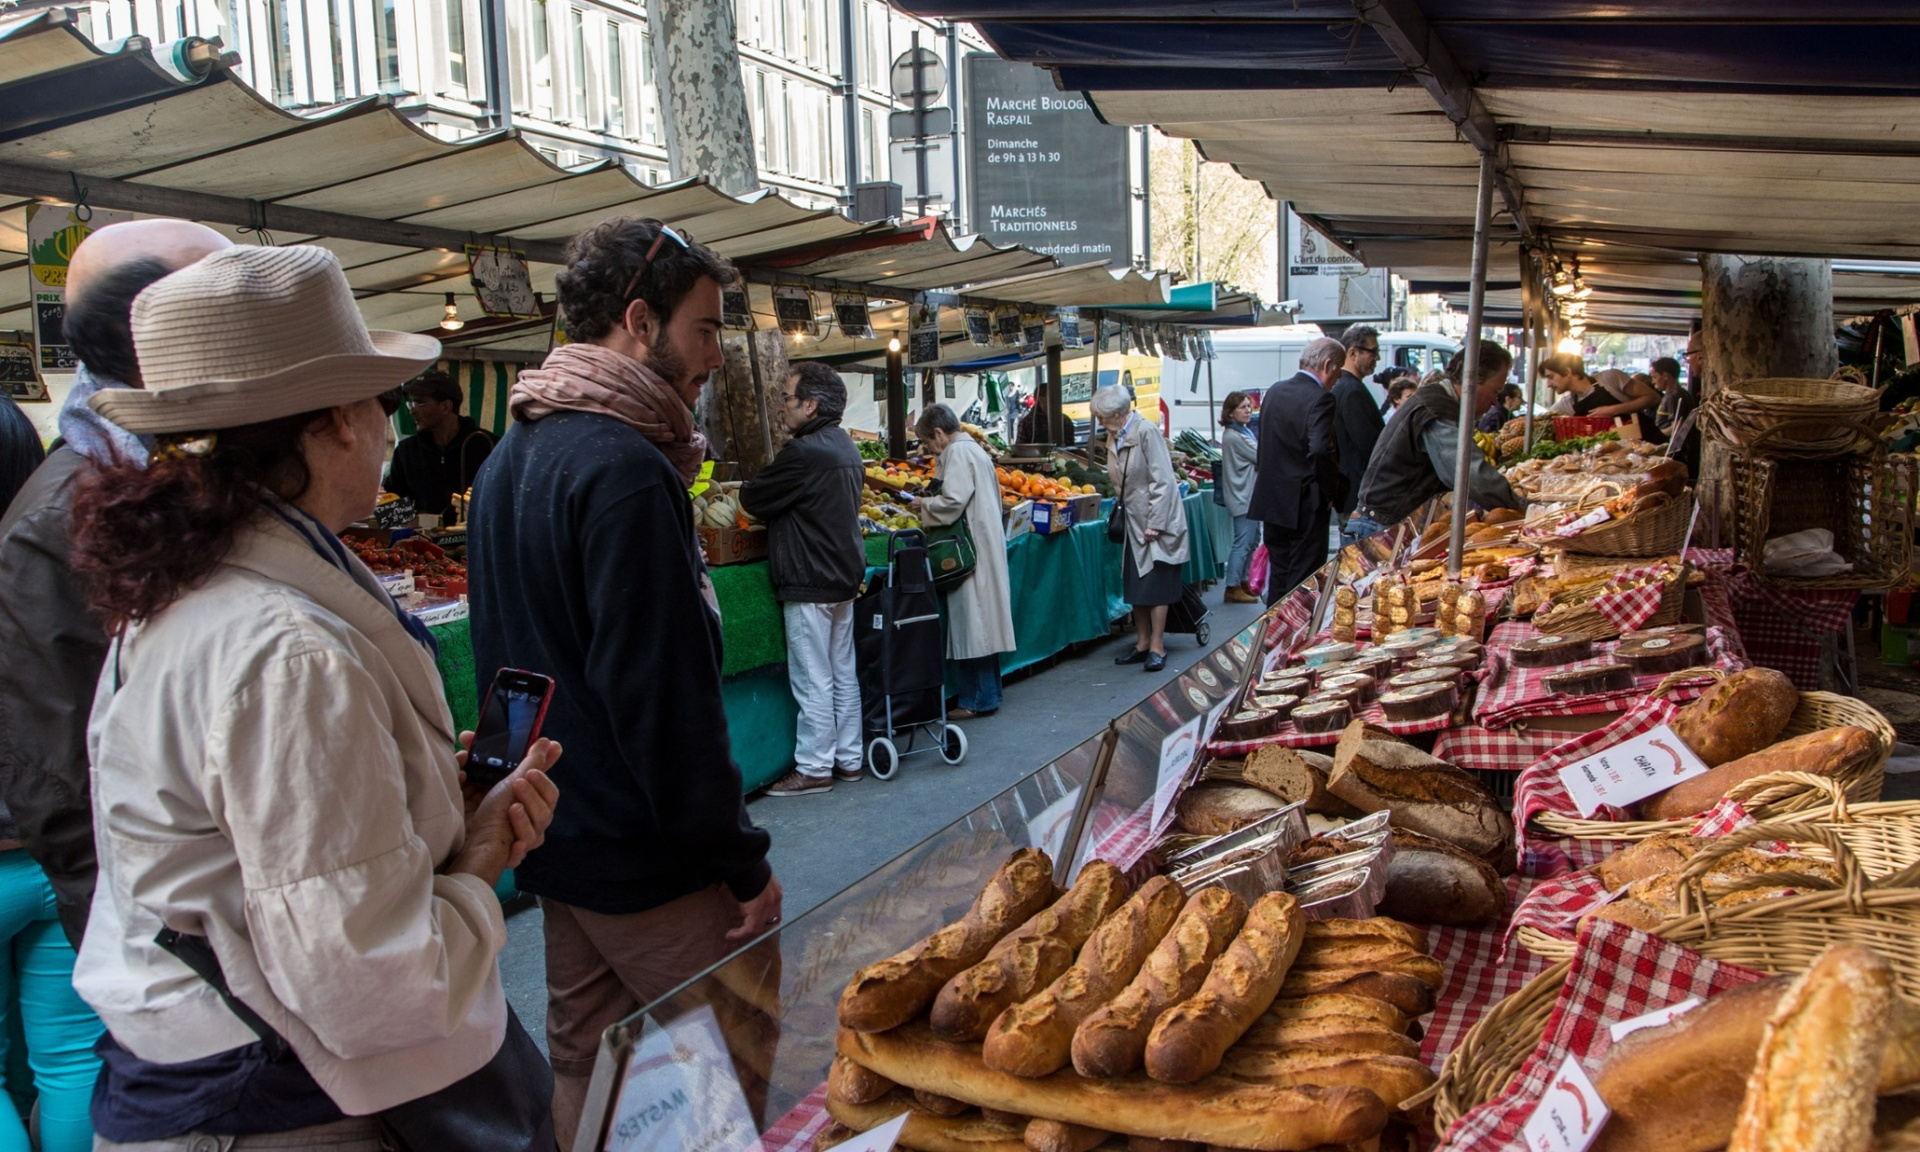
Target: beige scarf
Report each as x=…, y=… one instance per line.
x=589, y=378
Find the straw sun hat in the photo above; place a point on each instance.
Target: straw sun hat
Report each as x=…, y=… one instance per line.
x=252, y=334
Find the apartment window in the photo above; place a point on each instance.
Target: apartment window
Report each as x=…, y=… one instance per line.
x=873, y=19
x=616, y=82
x=341, y=14
x=386, y=44
x=540, y=39
x=762, y=121
x=456, y=44
x=579, y=65
x=785, y=161
x=649, y=95
x=868, y=136
x=280, y=51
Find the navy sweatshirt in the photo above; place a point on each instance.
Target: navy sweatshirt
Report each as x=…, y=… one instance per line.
x=583, y=566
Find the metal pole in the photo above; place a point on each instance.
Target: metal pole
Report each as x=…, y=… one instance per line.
x=1526, y=377
x=493, y=33
x=955, y=218
x=1470, y=376
x=850, y=78
x=919, y=128
x=896, y=404
x=1056, y=420
x=1212, y=414
x=1093, y=385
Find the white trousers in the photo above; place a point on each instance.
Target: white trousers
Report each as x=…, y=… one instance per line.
x=820, y=671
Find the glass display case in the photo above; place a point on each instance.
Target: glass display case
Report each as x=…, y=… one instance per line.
x=736, y=1059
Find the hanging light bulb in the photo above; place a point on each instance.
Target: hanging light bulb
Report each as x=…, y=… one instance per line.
x=1569, y=346
x=893, y=344
x=1577, y=328
x=1581, y=289
x=1562, y=283
x=450, y=319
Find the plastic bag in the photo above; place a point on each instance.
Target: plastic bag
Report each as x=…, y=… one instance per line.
x=1805, y=554
x=1257, y=570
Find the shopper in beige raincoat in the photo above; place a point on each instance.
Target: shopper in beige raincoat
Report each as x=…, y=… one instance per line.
x=1156, y=547
x=980, y=611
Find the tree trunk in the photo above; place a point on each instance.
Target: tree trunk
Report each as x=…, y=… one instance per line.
x=1761, y=316
x=703, y=100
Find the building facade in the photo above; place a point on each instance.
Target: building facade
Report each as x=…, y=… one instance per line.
x=580, y=73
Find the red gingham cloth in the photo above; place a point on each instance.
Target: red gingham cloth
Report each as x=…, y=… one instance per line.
x=1539, y=788
x=794, y=1132
x=1121, y=840
x=1782, y=628
x=1629, y=608
x=1481, y=749
x=1291, y=737
x=1618, y=974
x=1509, y=692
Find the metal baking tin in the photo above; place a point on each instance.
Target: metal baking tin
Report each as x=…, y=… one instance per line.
x=1288, y=824
x=1346, y=896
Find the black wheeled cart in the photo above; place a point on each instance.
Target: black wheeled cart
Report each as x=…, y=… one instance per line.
x=900, y=655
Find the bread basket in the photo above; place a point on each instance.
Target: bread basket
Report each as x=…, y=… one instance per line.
x=1794, y=417
x=1655, y=532
x=1581, y=619
x=1774, y=936
x=1773, y=796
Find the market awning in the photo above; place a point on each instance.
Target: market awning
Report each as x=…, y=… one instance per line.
x=1632, y=134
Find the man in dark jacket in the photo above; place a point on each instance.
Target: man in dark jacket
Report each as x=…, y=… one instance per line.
x=443, y=457
x=1417, y=458
x=1298, y=479
x=810, y=498
x=584, y=566
x=54, y=647
x=1356, y=415
x=20, y=449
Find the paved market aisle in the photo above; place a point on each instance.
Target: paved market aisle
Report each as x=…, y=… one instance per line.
x=821, y=844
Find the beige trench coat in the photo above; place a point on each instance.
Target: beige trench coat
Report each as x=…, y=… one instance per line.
x=1142, y=474
x=980, y=611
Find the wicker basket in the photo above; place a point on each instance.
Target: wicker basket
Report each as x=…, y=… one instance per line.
x=1795, y=418
x=1774, y=796
x=1659, y=532
x=1583, y=620
x=1774, y=936
x=1866, y=501
x=1492, y=1051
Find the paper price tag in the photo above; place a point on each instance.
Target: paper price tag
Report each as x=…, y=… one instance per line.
x=1626, y=1028
x=1569, y=1115
x=1632, y=770
x=879, y=1139
x=680, y=1093
x=1176, y=756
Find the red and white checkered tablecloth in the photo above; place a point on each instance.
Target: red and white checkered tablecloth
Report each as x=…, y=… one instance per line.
x=1478, y=748
x=1783, y=628
x=1539, y=788
x=1121, y=839
x=1631, y=608
x=794, y=1132
x=1618, y=973
x=1291, y=737
x=1509, y=692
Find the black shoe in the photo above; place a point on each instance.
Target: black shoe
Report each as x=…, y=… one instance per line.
x=1132, y=656
x=1155, y=662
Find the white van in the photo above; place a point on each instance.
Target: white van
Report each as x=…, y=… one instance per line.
x=1254, y=359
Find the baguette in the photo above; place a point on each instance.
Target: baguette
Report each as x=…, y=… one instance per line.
x=1374, y=957
x=1407, y=993
x=939, y=1105
x=1260, y=1118
x=1149, y=1144
x=1813, y=1083
x=1738, y=716
x=1029, y=959
x=1326, y=1034
x=1336, y=1004
x=1393, y=1078
x=1189, y=1039
x=895, y=990
x=1374, y=928
x=1113, y=1040
x=1035, y=1036
x=1011, y=1119
x=852, y=1084
x=1677, y=1087
x=1054, y=1136
x=924, y=1131
x=1827, y=752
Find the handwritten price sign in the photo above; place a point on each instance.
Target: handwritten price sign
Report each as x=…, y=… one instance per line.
x=1569, y=1115
x=1631, y=771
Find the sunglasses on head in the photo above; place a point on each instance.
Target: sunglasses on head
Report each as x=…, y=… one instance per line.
x=666, y=234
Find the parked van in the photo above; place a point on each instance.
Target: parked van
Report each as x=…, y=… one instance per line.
x=1254, y=359
x=1138, y=374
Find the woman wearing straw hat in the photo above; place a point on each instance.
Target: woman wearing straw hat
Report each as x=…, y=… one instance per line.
x=295, y=936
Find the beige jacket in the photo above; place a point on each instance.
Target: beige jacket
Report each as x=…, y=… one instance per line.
x=980, y=611
x=1143, y=479
x=272, y=769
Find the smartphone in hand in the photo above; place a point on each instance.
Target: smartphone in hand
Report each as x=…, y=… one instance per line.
x=510, y=718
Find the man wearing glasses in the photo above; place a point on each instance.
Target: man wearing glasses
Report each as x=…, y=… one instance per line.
x=1356, y=417
x=445, y=452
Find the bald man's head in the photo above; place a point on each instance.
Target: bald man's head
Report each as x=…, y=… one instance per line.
x=108, y=270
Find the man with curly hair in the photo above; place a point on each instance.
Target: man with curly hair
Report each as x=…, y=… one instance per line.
x=584, y=566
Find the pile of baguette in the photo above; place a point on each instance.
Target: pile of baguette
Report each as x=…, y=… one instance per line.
x=1808, y=1063
x=1453, y=839
x=1150, y=1019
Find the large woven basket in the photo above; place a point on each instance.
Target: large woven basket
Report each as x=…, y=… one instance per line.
x=1794, y=417
x=1774, y=936
x=1656, y=533
x=1865, y=500
x=1883, y=836
x=1492, y=1051
x=1774, y=796
x=1583, y=620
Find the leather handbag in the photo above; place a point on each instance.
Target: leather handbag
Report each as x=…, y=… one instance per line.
x=952, y=555
x=1117, y=519
x=505, y=1106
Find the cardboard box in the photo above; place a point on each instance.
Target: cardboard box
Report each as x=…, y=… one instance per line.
x=381, y=537
x=725, y=546
x=1050, y=517
x=1019, y=520
x=1086, y=508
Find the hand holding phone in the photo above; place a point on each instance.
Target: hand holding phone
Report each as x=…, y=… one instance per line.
x=511, y=716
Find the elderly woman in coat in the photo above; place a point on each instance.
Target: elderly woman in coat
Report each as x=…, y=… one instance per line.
x=980, y=611
x=1156, y=545
x=1233, y=487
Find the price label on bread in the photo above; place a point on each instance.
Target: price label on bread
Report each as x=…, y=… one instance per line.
x=1570, y=1114
x=1631, y=771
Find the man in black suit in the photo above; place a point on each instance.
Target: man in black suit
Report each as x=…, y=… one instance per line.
x=1356, y=415
x=1299, y=478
